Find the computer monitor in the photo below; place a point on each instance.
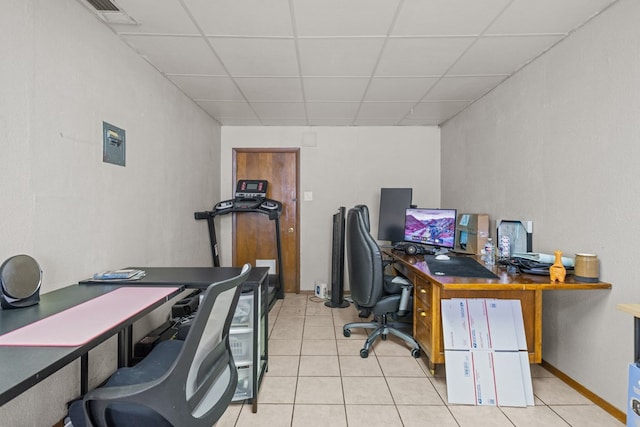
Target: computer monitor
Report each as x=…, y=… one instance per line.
x=393, y=203
x=433, y=227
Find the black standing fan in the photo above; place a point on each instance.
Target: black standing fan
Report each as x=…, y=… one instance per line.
x=337, y=262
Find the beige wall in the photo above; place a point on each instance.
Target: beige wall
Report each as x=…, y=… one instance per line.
x=348, y=166
x=62, y=74
x=558, y=144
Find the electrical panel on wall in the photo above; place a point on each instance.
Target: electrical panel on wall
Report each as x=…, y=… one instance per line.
x=113, y=144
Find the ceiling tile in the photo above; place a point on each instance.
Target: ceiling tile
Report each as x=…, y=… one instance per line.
x=463, y=87
x=334, y=88
x=278, y=121
x=421, y=56
x=334, y=121
x=332, y=109
x=227, y=109
x=390, y=62
x=159, y=17
x=546, y=16
x=208, y=87
x=446, y=17
x=288, y=110
x=177, y=55
x=502, y=55
x=436, y=110
x=270, y=89
x=388, y=110
x=242, y=17
x=399, y=89
x=257, y=57
x=239, y=121
x=339, y=56
x=377, y=121
x=344, y=18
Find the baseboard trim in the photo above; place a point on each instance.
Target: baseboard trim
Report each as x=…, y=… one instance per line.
x=606, y=406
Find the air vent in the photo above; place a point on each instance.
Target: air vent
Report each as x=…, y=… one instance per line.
x=103, y=5
x=109, y=12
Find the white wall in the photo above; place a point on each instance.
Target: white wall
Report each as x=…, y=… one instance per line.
x=558, y=144
x=62, y=74
x=348, y=166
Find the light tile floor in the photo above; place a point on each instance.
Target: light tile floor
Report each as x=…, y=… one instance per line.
x=316, y=377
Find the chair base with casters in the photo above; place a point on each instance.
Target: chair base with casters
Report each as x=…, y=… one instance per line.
x=381, y=328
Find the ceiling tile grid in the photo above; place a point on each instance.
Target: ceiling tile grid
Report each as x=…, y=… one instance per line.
x=342, y=63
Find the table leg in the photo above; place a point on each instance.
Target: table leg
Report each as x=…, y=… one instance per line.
x=84, y=374
x=125, y=346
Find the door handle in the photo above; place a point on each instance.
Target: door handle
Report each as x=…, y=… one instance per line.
x=290, y=230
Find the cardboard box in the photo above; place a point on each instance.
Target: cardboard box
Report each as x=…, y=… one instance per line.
x=633, y=400
x=472, y=231
x=487, y=362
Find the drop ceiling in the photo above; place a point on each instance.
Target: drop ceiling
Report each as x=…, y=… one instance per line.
x=341, y=62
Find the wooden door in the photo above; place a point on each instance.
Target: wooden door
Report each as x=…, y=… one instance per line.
x=254, y=234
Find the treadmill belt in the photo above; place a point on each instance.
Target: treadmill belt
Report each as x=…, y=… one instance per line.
x=459, y=266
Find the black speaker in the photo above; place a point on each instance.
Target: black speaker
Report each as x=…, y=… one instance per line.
x=20, y=280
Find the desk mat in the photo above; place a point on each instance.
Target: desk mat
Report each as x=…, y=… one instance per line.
x=78, y=325
x=459, y=266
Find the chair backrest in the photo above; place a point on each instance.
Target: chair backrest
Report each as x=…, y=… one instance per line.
x=200, y=384
x=364, y=261
x=364, y=209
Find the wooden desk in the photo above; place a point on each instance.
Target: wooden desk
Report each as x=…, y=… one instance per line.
x=429, y=289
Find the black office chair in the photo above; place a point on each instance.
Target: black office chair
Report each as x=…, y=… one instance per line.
x=372, y=290
x=180, y=383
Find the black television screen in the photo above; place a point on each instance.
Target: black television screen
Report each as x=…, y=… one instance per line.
x=434, y=227
x=393, y=203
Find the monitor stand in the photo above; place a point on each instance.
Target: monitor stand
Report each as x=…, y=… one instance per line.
x=441, y=251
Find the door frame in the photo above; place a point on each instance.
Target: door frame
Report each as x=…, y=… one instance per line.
x=234, y=180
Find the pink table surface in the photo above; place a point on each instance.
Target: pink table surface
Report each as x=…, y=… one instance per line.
x=79, y=324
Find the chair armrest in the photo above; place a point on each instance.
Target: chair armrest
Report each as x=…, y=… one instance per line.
x=407, y=288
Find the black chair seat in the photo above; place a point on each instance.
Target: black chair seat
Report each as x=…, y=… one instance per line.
x=152, y=367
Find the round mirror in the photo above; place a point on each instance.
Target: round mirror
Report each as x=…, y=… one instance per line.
x=20, y=277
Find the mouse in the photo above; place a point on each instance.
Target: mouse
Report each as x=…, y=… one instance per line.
x=443, y=257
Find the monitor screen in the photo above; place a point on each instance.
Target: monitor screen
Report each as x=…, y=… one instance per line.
x=393, y=203
x=434, y=227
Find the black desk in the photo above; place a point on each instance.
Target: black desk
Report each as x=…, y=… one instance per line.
x=189, y=277
x=24, y=367
x=195, y=278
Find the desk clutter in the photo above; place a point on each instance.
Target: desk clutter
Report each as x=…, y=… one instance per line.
x=123, y=274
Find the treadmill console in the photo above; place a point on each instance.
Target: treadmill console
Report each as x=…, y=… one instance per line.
x=251, y=189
